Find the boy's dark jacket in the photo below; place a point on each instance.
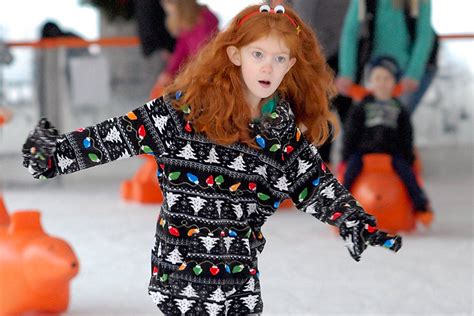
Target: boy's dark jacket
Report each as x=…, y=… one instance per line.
x=375, y=127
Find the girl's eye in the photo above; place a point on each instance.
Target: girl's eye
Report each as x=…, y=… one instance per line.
x=280, y=59
x=257, y=54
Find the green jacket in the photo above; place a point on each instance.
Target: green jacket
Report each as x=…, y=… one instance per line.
x=391, y=38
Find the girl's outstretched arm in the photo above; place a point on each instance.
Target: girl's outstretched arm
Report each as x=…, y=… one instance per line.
x=141, y=131
x=315, y=190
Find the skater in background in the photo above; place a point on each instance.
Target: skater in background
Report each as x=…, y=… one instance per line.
x=398, y=28
x=233, y=137
x=154, y=37
x=192, y=25
x=381, y=124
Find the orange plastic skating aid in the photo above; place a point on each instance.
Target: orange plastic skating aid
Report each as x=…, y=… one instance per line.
x=382, y=194
x=286, y=204
x=425, y=218
x=35, y=268
x=156, y=92
x=358, y=93
x=4, y=218
x=143, y=187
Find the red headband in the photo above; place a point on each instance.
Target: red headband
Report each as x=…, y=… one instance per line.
x=279, y=9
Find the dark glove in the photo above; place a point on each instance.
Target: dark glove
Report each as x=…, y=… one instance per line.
x=359, y=230
x=39, y=148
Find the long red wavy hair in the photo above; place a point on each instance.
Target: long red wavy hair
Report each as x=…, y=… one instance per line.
x=214, y=88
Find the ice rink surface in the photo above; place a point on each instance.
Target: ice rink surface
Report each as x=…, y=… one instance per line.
x=305, y=269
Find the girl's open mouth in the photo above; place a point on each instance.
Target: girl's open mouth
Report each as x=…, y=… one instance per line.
x=264, y=83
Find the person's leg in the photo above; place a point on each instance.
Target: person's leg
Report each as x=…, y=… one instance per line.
x=353, y=169
x=342, y=105
x=405, y=172
x=411, y=100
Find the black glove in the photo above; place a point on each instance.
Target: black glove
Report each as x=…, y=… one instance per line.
x=39, y=148
x=359, y=230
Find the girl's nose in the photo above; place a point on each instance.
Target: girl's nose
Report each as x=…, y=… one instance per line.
x=267, y=68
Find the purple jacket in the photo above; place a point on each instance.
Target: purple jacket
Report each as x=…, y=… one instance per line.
x=189, y=42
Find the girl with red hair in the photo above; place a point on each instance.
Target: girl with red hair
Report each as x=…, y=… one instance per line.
x=233, y=137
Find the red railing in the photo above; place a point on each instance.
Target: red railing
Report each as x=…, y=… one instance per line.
x=129, y=41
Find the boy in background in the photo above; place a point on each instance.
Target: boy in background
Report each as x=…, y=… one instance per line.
x=380, y=124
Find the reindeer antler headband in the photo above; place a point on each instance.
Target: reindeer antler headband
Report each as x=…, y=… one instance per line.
x=279, y=9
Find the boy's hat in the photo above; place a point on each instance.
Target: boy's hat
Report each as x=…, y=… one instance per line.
x=388, y=63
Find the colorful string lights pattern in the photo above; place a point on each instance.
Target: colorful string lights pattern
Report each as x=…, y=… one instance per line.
x=208, y=234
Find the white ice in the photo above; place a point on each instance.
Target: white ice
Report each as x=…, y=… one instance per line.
x=305, y=269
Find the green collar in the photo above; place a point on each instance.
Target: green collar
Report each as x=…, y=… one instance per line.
x=270, y=106
x=268, y=109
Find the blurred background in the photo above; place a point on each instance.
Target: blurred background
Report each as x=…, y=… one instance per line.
x=80, y=86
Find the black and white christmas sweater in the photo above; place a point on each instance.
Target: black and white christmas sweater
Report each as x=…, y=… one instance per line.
x=216, y=199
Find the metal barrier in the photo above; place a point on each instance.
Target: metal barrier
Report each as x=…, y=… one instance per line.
x=73, y=82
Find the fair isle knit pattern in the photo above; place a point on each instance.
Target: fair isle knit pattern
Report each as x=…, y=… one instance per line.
x=216, y=199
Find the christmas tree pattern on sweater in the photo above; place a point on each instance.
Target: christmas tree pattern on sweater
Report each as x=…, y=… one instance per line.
x=216, y=199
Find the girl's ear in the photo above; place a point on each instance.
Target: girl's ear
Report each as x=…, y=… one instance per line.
x=291, y=63
x=234, y=55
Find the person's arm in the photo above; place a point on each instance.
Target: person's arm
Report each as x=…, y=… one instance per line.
x=348, y=42
x=141, y=131
x=405, y=136
x=423, y=43
x=353, y=130
x=314, y=190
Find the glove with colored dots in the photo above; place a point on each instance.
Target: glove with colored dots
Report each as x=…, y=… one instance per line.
x=359, y=231
x=39, y=148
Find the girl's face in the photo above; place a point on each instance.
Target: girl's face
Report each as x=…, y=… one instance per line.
x=263, y=63
x=381, y=83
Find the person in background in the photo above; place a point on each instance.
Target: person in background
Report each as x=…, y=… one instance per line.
x=399, y=28
x=152, y=32
x=380, y=124
x=51, y=29
x=192, y=25
x=326, y=17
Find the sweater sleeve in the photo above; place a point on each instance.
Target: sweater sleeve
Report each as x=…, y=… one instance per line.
x=349, y=41
x=315, y=190
x=423, y=43
x=141, y=131
x=353, y=130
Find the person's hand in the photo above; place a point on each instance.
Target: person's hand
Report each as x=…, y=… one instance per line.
x=359, y=231
x=343, y=85
x=39, y=148
x=409, y=85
